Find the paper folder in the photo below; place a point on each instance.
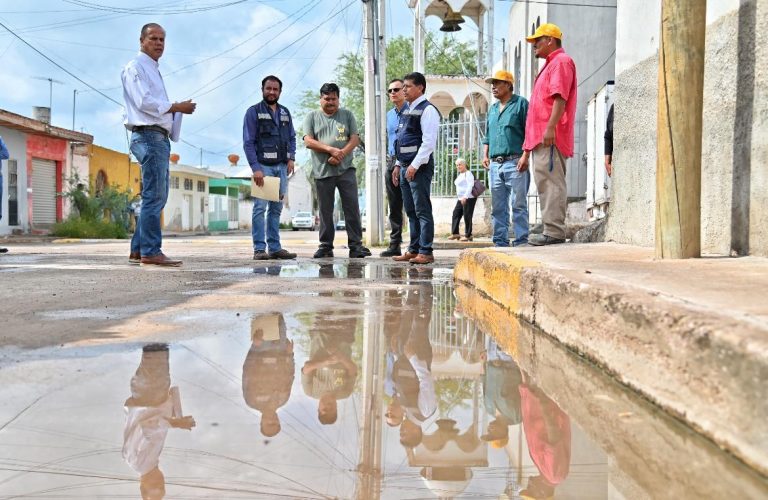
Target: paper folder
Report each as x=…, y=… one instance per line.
x=270, y=191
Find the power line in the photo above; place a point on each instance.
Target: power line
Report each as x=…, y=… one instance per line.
x=567, y=4
x=65, y=70
x=305, y=35
x=308, y=6
x=152, y=10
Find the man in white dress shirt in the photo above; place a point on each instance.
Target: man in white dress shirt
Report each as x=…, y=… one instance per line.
x=415, y=166
x=149, y=116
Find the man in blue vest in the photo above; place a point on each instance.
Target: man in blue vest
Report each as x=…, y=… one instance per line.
x=269, y=140
x=415, y=166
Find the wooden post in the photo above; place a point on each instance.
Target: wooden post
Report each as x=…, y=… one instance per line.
x=678, y=134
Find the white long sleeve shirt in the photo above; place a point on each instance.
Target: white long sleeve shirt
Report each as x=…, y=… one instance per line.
x=430, y=122
x=464, y=183
x=146, y=101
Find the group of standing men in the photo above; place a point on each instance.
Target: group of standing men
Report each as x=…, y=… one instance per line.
x=520, y=134
x=539, y=134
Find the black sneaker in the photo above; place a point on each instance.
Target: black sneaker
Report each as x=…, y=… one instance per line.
x=3, y=250
x=538, y=240
x=282, y=254
x=322, y=253
x=359, y=253
x=392, y=251
x=260, y=255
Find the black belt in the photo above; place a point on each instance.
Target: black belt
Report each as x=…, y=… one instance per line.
x=502, y=159
x=150, y=128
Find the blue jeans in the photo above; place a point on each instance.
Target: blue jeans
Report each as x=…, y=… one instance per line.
x=506, y=181
x=418, y=207
x=272, y=210
x=152, y=151
x=136, y=238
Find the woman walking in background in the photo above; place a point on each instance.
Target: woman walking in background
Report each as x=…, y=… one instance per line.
x=465, y=206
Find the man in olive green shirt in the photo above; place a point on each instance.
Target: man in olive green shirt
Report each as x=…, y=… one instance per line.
x=331, y=135
x=502, y=151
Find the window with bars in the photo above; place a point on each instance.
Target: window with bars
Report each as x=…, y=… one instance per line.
x=201, y=186
x=174, y=182
x=187, y=184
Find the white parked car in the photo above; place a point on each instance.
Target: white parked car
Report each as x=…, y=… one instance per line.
x=304, y=220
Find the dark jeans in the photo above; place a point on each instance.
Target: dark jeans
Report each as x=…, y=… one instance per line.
x=152, y=150
x=465, y=211
x=395, y=201
x=418, y=207
x=346, y=183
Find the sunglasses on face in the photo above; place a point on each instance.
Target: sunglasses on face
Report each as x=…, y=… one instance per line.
x=392, y=91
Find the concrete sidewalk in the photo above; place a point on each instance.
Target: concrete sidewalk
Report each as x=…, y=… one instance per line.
x=691, y=335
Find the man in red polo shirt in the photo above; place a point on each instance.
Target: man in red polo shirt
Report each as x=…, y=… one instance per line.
x=549, y=130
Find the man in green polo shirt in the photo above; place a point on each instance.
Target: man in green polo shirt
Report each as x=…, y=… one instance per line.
x=502, y=151
x=331, y=135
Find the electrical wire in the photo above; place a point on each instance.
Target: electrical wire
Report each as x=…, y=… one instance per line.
x=199, y=92
x=65, y=70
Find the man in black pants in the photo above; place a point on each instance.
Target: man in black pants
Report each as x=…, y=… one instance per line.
x=330, y=134
x=394, y=194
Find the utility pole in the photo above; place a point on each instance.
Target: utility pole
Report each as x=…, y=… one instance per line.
x=678, y=130
x=74, y=101
x=50, y=81
x=374, y=201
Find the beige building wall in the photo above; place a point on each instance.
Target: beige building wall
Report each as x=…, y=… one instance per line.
x=734, y=210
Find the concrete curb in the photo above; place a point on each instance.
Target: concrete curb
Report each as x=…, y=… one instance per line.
x=652, y=455
x=706, y=369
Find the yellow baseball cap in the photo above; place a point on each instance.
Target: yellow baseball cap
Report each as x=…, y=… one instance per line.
x=547, y=29
x=504, y=76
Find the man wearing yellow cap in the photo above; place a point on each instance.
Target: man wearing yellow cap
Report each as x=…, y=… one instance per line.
x=502, y=152
x=549, y=130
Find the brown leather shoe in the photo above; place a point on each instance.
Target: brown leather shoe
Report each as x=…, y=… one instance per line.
x=422, y=258
x=134, y=258
x=159, y=260
x=405, y=257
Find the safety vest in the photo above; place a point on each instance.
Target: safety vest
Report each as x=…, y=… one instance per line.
x=409, y=134
x=272, y=139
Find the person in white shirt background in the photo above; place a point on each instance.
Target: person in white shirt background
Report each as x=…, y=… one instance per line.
x=465, y=206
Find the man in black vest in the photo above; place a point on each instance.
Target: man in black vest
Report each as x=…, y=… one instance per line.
x=269, y=141
x=415, y=166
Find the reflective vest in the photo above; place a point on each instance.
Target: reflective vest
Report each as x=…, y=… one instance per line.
x=272, y=139
x=409, y=134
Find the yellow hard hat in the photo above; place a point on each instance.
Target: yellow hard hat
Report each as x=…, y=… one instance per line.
x=547, y=29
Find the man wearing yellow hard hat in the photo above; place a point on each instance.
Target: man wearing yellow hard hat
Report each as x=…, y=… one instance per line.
x=549, y=130
x=502, y=153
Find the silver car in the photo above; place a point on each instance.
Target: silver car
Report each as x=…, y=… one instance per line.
x=304, y=220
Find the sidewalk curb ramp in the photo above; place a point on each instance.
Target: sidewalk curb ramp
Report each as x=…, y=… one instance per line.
x=708, y=370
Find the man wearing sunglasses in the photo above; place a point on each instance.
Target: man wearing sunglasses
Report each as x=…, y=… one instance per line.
x=394, y=195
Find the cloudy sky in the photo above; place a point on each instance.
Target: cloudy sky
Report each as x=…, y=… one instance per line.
x=217, y=52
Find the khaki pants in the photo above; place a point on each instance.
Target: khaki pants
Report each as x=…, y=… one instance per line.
x=553, y=193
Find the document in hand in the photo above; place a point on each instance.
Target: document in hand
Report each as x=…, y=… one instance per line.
x=270, y=191
x=176, y=127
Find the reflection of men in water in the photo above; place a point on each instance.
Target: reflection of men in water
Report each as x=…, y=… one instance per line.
x=268, y=370
x=154, y=407
x=501, y=394
x=548, y=434
x=329, y=374
x=409, y=363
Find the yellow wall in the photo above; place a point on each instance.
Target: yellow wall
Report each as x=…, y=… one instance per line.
x=116, y=166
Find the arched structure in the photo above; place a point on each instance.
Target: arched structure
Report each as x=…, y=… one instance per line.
x=478, y=11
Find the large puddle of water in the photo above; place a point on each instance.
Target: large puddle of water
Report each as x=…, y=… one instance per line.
x=393, y=392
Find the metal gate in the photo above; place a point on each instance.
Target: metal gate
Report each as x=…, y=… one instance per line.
x=43, y=191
